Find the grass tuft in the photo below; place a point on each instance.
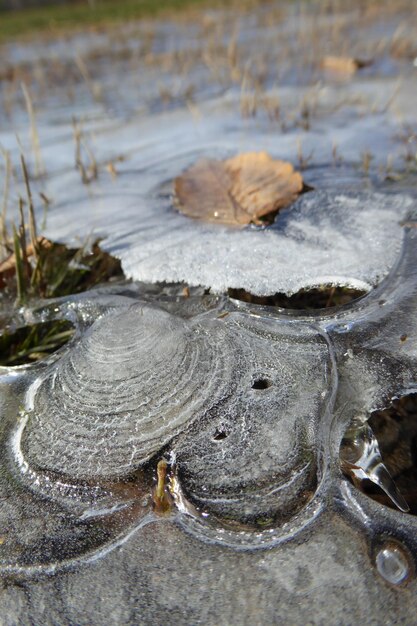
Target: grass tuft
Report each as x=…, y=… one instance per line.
x=43, y=269
x=33, y=343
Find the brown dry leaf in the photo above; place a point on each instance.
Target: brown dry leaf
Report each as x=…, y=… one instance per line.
x=343, y=65
x=239, y=190
x=261, y=185
x=203, y=192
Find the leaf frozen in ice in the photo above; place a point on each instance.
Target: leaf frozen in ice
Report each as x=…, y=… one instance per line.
x=203, y=192
x=262, y=185
x=240, y=190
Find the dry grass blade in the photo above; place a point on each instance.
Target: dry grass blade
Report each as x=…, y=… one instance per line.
x=3, y=228
x=22, y=239
x=55, y=270
x=20, y=281
x=94, y=88
x=32, y=222
x=90, y=172
x=36, y=146
x=240, y=190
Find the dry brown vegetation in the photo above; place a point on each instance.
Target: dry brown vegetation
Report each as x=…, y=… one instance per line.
x=325, y=31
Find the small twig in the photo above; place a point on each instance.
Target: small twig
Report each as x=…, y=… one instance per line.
x=161, y=497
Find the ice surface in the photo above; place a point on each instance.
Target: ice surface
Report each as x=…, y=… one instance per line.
x=283, y=392
x=252, y=426
x=335, y=126
x=325, y=238
x=248, y=404
x=337, y=238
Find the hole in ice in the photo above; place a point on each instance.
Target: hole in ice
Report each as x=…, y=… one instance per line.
x=380, y=455
x=220, y=434
x=323, y=297
x=261, y=383
x=34, y=343
x=395, y=428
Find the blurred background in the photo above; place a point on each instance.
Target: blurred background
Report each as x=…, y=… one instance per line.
x=27, y=17
x=23, y=4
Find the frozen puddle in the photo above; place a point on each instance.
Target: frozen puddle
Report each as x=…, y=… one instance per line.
x=268, y=423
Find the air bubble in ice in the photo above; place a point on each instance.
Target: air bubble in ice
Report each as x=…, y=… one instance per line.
x=392, y=564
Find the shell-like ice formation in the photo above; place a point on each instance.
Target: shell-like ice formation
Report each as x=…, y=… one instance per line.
x=254, y=390
x=119, y=395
